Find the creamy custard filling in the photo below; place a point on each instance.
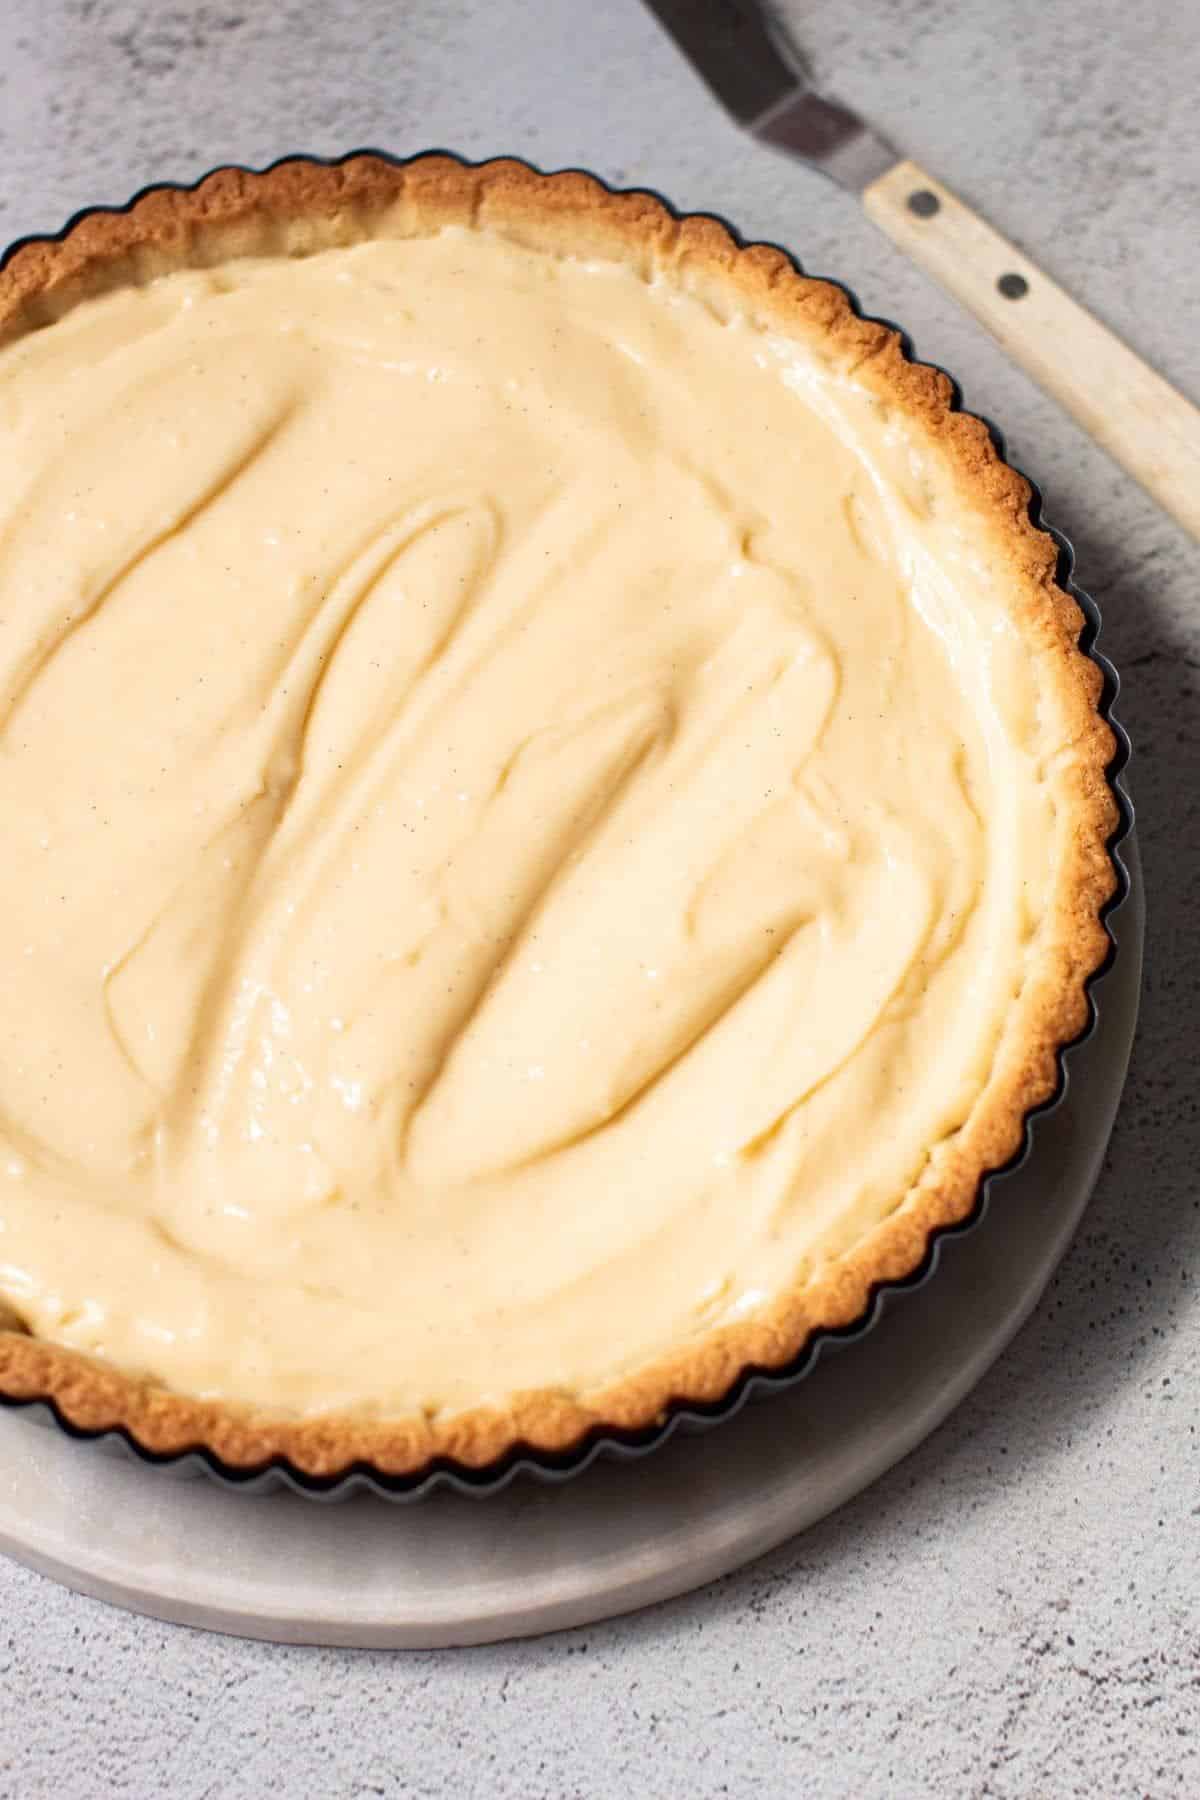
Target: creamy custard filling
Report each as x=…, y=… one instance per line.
x=524, y=815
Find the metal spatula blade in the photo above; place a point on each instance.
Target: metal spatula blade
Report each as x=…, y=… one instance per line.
x=761, y=79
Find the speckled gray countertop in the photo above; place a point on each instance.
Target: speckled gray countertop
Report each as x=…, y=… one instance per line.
x=1014, y=1611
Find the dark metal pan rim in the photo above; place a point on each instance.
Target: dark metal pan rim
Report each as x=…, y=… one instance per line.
x=753, y=1383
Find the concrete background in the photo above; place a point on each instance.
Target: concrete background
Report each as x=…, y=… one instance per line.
x=1015, y=1611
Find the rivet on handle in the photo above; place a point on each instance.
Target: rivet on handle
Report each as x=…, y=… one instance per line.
x=1013, y=287
x=923, y=203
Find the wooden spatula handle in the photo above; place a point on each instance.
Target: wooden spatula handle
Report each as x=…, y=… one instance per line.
x=1143, y=422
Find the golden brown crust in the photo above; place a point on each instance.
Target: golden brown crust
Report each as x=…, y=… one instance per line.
x=299, y=206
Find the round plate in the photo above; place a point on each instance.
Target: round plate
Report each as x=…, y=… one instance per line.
x=457, y=1570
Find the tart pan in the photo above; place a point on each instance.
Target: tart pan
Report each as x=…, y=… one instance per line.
x=752, y=1384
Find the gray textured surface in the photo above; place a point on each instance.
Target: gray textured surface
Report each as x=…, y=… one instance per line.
x=1016, y=1610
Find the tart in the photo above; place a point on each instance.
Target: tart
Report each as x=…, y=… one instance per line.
x=557, y=820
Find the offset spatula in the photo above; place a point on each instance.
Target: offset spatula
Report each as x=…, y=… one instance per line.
x=1143, y=422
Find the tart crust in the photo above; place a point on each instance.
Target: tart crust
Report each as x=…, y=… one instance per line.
x=300, y=206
